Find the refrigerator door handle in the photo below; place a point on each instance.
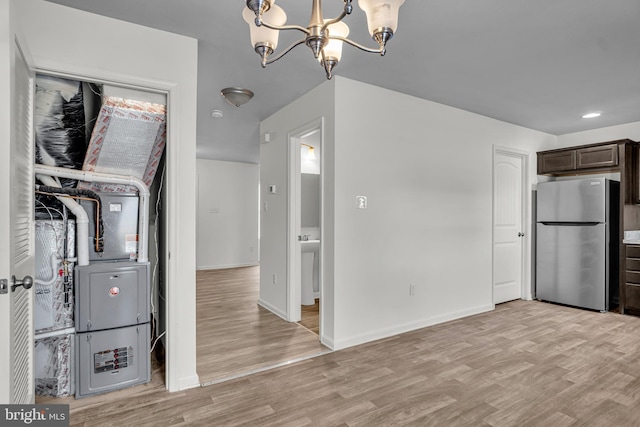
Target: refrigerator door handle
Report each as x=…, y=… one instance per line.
x=569, y=224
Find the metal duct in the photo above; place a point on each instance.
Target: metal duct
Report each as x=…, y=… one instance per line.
x=143, y=191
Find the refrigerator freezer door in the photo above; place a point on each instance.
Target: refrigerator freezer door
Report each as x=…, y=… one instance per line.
x=571, y=265
x=579, y=200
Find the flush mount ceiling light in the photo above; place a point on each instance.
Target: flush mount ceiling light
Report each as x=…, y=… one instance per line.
x=323, y=36
x=591, y=115
x=236, y=95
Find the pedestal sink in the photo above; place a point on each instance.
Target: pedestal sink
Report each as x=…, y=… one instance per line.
x=310, y=250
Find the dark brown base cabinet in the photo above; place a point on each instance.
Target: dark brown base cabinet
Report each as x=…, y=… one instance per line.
x=632, y=282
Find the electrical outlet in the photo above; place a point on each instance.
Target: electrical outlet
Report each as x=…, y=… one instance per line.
x=412, y=289
x=275, y=279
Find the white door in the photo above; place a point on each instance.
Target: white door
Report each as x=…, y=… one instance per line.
x=16, y=212
x=508, y=227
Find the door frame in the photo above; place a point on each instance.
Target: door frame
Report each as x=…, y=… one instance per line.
x=294, y=258
x=135, y=84
x=525, y=156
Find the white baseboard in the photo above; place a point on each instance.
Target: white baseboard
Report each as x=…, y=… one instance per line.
x=186, y=383
x=222, y=267
x=407, y=327
x=273, y=309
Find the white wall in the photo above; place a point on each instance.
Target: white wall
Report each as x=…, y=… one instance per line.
x=227, y=232
x=66, y=41
x=312, y=106
x=426, y=170
x=611, y=133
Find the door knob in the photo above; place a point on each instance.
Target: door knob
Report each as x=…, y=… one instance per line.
x=520, y=234
x=26, y=283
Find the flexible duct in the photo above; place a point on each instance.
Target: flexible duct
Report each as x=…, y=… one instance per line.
x=82, y=219
x=54, y=272
x=143, y=192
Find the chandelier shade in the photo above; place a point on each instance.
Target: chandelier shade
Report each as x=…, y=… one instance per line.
x=381, y=14
x=261, y=36
x=333, y=49
x=325, y=37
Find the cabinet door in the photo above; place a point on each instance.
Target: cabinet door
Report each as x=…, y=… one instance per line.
x=597, y=157
x=556, y=161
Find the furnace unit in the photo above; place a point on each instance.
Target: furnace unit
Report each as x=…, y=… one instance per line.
x=112, y=310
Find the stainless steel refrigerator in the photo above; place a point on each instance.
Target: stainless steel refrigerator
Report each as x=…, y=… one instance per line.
x=577, y=242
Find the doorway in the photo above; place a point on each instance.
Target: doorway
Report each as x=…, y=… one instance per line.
x=305, y=220
x=66, y=108
x=510, y=218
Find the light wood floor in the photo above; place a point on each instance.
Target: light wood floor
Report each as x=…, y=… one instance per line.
x=310, y=317
x=235, y=335
x=527, y=363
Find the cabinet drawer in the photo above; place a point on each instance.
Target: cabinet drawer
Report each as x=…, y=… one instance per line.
x=597, y=157
x=633, y=277
x=633, y=264
x=632, y=296
x=633, y=251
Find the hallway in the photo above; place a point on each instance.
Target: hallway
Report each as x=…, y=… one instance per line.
x=235, y=335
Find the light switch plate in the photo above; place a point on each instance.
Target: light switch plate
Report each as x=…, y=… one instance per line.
x=361, y=202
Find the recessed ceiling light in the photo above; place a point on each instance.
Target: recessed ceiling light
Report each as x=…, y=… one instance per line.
x=216, y=113
x=591, y=115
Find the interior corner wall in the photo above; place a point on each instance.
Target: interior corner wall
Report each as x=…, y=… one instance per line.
x=316, y=104
x=426, y=170
x=610, y=133
x=227, y=232
x=66, y=41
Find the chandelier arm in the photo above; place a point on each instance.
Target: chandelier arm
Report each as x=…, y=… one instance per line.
x=381, y=50
x=284, y=52
x=283, y=27
x=333, y=21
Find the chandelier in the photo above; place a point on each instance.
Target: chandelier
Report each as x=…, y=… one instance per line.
x=323, y=36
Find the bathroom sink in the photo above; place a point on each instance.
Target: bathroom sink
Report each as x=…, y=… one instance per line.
x=310, y=245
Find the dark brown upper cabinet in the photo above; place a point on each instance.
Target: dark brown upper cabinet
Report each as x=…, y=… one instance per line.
x=593, y=158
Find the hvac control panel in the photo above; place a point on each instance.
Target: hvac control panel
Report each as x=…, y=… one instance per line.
x=110, y=360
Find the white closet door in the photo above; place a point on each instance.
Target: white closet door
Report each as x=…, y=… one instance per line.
x=16, y=212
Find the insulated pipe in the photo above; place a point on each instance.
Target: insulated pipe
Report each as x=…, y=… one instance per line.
x=82, y=219
x=143, y=212
x=87, y=194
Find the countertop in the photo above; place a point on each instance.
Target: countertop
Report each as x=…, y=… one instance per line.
x=631, y=237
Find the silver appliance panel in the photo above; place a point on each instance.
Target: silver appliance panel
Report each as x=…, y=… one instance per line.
x=572, y=268
x=578, y=200
x=110, y=295
x=113, y=359
x=120, y=221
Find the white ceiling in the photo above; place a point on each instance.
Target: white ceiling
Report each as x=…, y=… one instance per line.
x=541, y=64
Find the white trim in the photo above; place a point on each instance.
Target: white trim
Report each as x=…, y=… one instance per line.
x=294, y=313
x=226, y=266
x=524, y=155
x=275, y=310
x=407, y=327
